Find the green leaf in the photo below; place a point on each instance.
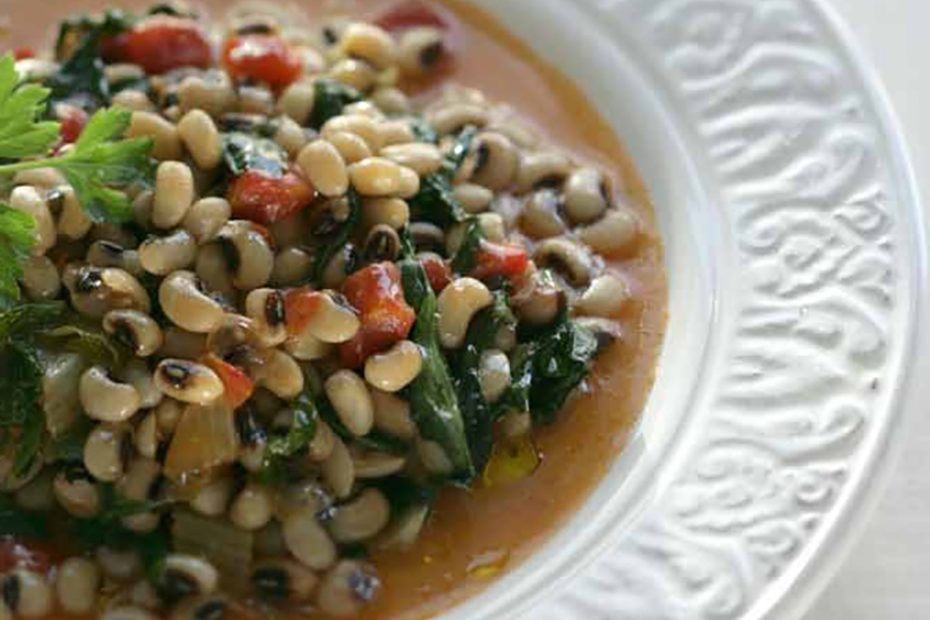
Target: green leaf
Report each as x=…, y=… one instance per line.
x=93, y=346
x=243, y=151
x=466, y=257
x=329, y=98
x=423, y=131
x=432, y=396
x=26, y=319
x=69, y=446
x=435, y=201
x=20, y=523
x=17, y=236
x=21, y=386
x=100, y=162
x=21, y=133
x=374, y=440
x=280, y=449
x=336, y=240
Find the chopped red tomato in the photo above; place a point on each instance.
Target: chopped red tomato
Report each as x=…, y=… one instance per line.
x=437, y=271
x=266, y=198
x=15, y=553
x=411, y=14
x=22, y=53
x=501, y=260
x=238, y=386
x=264, y=58
x=376, y=293
x=72, y=119
x=161, y=43
x=300, y=305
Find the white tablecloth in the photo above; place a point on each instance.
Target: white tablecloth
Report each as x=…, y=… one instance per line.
x=887, y=575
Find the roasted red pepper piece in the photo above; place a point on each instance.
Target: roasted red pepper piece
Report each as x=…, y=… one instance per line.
x=264, y=58
x=411, y=14
x=238, y=385
x=22, y=53
x=437, y=271
x=376, y=293
x=161, y=43
x=500, y=259
x=72, y=119
x=20, y=554
x=266, y=198
x=300, y=305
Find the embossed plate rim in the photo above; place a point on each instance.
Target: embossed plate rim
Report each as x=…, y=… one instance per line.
x=823, y=551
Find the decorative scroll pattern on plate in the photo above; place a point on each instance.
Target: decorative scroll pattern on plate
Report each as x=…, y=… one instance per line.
x=796, y=154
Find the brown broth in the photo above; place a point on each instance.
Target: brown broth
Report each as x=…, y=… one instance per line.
x=508, y=522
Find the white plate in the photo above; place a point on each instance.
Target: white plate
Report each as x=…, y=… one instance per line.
x=796, y=256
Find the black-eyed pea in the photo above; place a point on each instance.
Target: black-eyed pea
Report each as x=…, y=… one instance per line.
x=492, y=226
x=35, y=69
x=137, y=485
x=105, y=452
x=76, y=585
x=409, y=183
x=255, y=99
x=296, y=102
x=118, y=564
x=361, y=518
x=516, y=424
x=307, y=541
x=202, y=139
x=305, y=347
x=371, y=465
x=370, y=43
x=355, y=73
x=540, y=217
x=291, y=265
x=73, y=221
x=146, y=436
x=133, y=100
x=103, y=253
x=188, y=381
x=265, y=306
x=421, y=50
x=212, y=498
x=41, y=280
x=396, y=132
x=361, y=126
x=451, y=118
x=184, y=302
x=281, y=579
x=391, y=100
x=567, y=258
x=46, y=178
x=105, y=399
x=497, y=161
x=208, y=607
x=206, y=217
x=182, y=343
x=493, y=374
x=174, y=193
x=587, y=195
x=27, y=594
x=539, y=301
x=251, y=509
x=473, y=198
x=542, y=168
x=350, y=398
x=393, y=212
x=163, y=255
x=364, y=108
x=427, y=237
x=347, y=588
x=281, y=375
x=338, y=469
x=213, y=272
x=290, y=136
x=344, y=262
x=134, y=329
x=141, y=209
x=382, y=243
x=351, y=147
x=392, y=415
x=322, y=444
x=166, y=143
x=605, y=297
x=334, y=322
x=136, y=373
x=456, y=306
x=394, y=369
x=33, y=203
x=420, y=157
x=186, y=575
x=211, y=92
x=324, y=166
x=250, y=257
x=613, y=233
x=127, y=612
x=76, y=491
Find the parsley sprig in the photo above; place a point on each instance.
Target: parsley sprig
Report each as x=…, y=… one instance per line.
x=97, y=166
